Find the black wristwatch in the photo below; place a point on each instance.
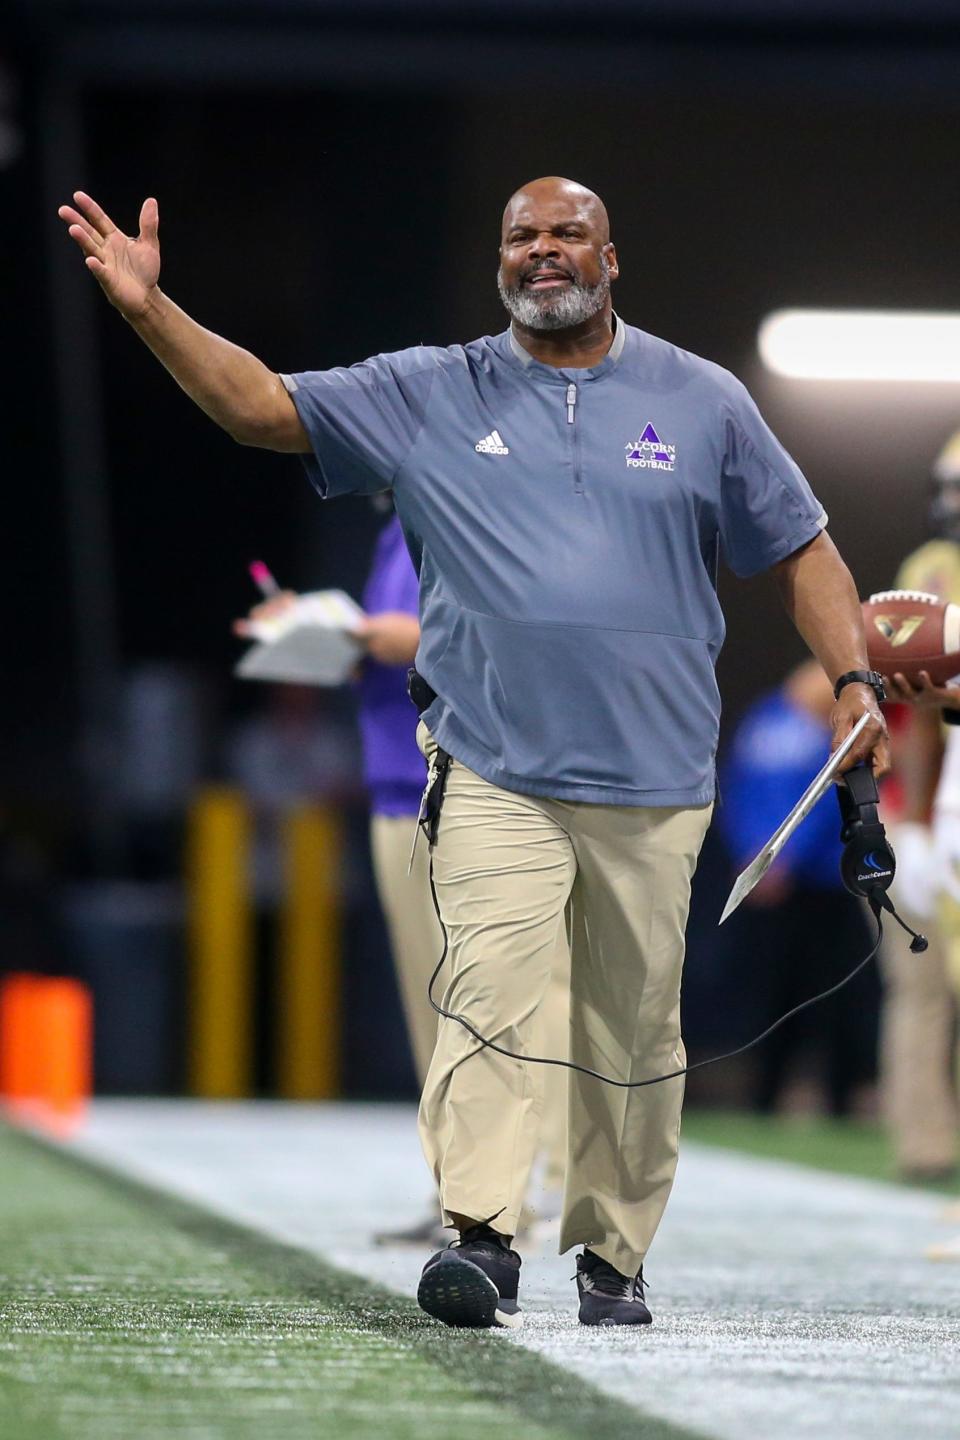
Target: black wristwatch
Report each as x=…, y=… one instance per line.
x=862, y=677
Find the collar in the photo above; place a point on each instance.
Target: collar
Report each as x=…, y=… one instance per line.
x=611, y=357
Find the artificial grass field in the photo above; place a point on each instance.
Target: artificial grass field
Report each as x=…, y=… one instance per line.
x=128, y=1315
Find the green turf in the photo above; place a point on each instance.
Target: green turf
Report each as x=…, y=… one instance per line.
x=847, y=1147
x=126, y=1314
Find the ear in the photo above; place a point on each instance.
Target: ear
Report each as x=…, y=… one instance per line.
x=610, y=251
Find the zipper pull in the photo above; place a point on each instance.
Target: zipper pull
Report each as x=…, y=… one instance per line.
x=571, y=402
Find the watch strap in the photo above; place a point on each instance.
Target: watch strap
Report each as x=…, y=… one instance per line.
x=862, y=677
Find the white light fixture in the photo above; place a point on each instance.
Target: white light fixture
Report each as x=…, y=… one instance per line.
x=862, y=345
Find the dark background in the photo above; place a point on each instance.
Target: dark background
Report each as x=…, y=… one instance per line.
x=330, y=181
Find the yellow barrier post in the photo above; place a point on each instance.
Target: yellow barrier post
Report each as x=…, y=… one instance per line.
x=221, y=945
x=308, y=993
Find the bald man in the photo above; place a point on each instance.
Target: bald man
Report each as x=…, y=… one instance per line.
x=565, y=488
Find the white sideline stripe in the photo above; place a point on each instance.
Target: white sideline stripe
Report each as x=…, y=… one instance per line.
x=780, y=1294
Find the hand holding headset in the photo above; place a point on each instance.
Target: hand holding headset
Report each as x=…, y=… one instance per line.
x=868, y=864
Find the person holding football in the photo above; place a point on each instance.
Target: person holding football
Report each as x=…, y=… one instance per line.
x=566, y=487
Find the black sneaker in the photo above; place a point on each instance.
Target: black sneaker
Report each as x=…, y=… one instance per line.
x=606, y=1296
x=473, y=1282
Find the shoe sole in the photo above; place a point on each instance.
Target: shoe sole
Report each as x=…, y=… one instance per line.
x=460, y=1294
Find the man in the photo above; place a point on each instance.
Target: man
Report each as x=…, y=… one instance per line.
x=564, y=487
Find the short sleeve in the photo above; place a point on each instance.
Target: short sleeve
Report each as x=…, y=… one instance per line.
x=767, y=508
x=363, y=420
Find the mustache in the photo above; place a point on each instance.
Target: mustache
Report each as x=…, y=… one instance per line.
x=550, y=265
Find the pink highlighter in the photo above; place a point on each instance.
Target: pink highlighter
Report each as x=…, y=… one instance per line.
x=263, y=579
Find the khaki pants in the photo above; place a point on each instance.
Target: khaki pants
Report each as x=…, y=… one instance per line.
x=416, y=942
x=916, y=1043
x=508, y=869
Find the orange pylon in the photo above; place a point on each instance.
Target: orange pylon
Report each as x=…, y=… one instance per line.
x=19, y=1050
x=46, y=1050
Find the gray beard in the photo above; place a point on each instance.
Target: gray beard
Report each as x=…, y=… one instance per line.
x=555, y=311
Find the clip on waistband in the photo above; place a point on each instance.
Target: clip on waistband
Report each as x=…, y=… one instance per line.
x=421, y=692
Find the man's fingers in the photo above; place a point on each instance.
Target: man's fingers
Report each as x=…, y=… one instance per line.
x=98, y=218
x=149, y=221
x=89, y=244
x=870, y=744
x=73, y=217
x=881, y=759
x=857, y=755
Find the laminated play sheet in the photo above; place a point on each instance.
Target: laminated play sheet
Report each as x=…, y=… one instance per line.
x=311, y=643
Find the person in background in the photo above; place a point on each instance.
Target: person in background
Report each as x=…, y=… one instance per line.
x=919, y=1086
x=394, y=775
x=798, y=932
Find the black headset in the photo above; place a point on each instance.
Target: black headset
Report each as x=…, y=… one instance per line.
x=868, y=864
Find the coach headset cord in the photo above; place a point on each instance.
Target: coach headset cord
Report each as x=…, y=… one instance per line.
x=867, y=867
x=485, y=1043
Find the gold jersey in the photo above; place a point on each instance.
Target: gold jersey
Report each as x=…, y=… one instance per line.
x=935, y=568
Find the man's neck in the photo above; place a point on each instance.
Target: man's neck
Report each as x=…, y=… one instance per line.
x=576, y=349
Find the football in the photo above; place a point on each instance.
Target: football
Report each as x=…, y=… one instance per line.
x=909, y=631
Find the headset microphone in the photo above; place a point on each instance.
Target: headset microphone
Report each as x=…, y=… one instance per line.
x=868, y=864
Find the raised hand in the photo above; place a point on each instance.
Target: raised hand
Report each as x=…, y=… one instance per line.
x=229, y=384
x=126, y=269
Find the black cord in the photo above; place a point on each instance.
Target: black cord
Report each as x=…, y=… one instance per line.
x=656, y=1079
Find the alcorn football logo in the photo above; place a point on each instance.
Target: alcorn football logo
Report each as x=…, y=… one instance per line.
x=650, y=452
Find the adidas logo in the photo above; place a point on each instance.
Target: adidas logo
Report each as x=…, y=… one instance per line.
x=491, y=445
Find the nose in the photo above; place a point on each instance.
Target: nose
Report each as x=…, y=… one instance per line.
x=543, y=247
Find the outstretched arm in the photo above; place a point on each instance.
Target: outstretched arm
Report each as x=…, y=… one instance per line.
x=229, y=384
x=821, y=599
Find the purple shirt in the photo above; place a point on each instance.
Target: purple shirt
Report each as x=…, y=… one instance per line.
x=394, y=769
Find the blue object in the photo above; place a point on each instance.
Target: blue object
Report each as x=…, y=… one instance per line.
x=776, y=750
x=394, y=769
x=566, y=524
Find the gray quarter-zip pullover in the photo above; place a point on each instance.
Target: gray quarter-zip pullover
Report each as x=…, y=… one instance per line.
x=566, y=524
